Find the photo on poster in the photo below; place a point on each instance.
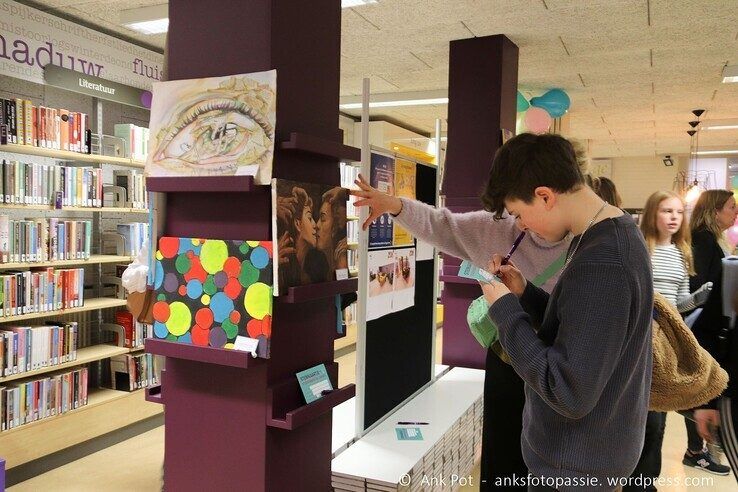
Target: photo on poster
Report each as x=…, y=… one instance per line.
x=382, y=177
x=381, y=278
x=309, y=231
x=215, y=126
x=405, y=178
x=404, y=279
x=211, y=292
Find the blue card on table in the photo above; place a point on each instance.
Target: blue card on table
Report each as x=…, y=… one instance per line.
x=409, y=434
x=313, y=382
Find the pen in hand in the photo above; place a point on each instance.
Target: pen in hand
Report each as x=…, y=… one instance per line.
x=515, y=245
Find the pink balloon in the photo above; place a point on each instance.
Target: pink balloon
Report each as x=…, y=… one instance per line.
x=537, y=120
x=733, y=235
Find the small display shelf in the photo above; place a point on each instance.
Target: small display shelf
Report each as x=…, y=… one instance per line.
x=222, y=357
x=311, y=292
x=201, y=184
x=153, y=394
x=321, y=146
x=64, y=155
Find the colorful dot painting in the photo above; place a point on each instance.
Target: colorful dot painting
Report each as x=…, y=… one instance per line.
x=210, y=291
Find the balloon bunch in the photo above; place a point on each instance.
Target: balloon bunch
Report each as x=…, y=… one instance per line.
x=541, y=110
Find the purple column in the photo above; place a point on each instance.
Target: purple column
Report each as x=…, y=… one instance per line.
x=2, y=475
x=483, y=79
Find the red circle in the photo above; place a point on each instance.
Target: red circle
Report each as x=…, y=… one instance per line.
x=196, y=271
x=169, y=246
x=204, y=317
x=232, y=267
x=183, y=290
x=235, y=317
x=161, y=311
x=267, y=246
x=200, y=335
x=266, y=326
x=253, y=327
x=232, y=288
x=190, y=254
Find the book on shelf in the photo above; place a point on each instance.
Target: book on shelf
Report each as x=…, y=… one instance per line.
x=28, y=401
x=349, y=174
x=136, y=140
x=131, y=372
x=135, y=331
x=30, y=348
x=42, y=239
x=26, y=183
x=41, y=126
x=134, y=184
x=41, y=290
x=135, y=235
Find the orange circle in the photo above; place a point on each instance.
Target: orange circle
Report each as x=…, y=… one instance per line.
x=200, y=335
x=169, y=246
x=266, y=326
x=161, y=311
x=232, y=288
x=253, y=327
x=232, y=266
x=235, y=317
x=182, y=290
x=204, y=317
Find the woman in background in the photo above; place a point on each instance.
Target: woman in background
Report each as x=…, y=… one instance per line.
x=605, y=189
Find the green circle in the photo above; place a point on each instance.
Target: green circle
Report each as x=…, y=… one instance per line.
x=213, y=255
x=183, y=264
x=230, y=328
x=258, y=300
x=244, y=248
x=180, y=318
x=171, y=338
x=249, y=273
x=161, y=297
x=210, y=288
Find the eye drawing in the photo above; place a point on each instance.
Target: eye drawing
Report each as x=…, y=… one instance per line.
x=214, y=126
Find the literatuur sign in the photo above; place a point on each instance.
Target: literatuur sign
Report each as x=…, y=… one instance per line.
x=31, y=39
x=96, y=87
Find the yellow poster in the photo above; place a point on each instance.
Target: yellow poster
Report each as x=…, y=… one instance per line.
x=404, y=188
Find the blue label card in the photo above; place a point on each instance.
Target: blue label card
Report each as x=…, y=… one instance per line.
x=313, y=382
x=409, y=434
x=468, y=270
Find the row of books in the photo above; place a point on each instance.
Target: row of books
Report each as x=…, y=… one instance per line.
x=28, y=401
x=135, y=331
x=352, y=231
x=42, y=239
x=135, y=235
x=134, y=185
x=42, y=184
x=41, y=290
x=353, y=261
x=136, y=139
x=40, y=126
x=131, y=372
x=29, y=348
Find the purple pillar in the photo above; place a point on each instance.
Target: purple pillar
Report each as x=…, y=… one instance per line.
x=2, y=475
x=483, y=79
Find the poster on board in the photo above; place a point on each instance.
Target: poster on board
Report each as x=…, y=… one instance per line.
x=404, y=188
x=382, y=176
x=404, y=279
x=381, y=277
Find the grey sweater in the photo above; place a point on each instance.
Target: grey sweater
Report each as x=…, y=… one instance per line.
x=587, y=368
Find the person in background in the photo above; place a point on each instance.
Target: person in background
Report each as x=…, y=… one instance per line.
x=669, y=242
x=476, y=236
x=714, y=212
x=605, y=189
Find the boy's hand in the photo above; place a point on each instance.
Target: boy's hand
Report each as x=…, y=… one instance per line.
x=509, y=274
x=707, y=420
x=493, y=291
x=379, y=203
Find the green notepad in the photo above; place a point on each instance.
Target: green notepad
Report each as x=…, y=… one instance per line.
x=409, y=434
x=313, y=382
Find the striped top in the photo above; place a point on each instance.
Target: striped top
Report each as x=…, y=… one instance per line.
x=670, y=277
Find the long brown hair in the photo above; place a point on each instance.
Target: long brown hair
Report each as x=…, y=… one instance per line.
x=605, y=189
x=682, y=238
x=703, y=215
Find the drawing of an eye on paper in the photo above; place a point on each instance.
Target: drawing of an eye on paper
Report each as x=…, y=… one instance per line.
x=214, y=126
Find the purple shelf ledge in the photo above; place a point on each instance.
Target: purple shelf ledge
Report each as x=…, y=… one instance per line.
x=311, y=292
x=455, y=279
x=210, y=355
x=321, y=146
x=153, y=394
x=2, y=475
x=305, y=414
x=201, y=184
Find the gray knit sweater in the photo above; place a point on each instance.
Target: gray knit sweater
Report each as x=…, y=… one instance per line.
x=587, y=368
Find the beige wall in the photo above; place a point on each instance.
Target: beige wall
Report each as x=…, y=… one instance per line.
x=637, y=177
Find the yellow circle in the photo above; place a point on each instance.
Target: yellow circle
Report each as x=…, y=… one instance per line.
x=213, y=256
x=159, y=256
x=180, y=319
x=253, y=244
x=229, y=346
x=258, y=300
x=205, y=299
x=195, y=242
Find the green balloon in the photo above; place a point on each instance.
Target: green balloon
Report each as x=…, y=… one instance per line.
x=523, y=103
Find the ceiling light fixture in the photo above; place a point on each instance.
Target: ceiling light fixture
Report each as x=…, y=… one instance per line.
x=716, y=152
x=668, y=162
x=730, y=74
x=355, y=3
x=147, y=20
x=390, y=104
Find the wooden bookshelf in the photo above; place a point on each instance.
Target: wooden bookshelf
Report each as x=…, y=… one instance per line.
x=90, y=305
x=49, y=208
x=85, y=355
x=64, y=155
x=106, y=411
x=93, y=260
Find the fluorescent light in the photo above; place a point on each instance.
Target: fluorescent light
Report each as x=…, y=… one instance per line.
x=721, y=127
x=355, y=3
x=147, y=20
x=716, y=152
x=730, y=74
x=390, y=104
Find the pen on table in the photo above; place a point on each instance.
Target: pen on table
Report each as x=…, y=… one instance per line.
x=413, y=423
x=515, y=245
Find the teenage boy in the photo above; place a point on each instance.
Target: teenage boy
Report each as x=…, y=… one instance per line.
x=584, y=351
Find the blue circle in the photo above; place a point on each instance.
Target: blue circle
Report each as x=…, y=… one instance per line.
x=186, y=338
x=160, y=330
x=259, y=257
x=194, y=289
x=186, y=245
x=158, y=275
x=222, y=306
